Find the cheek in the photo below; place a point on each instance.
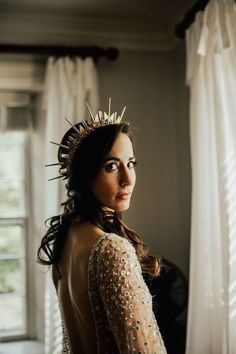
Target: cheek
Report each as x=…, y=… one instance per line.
x=104, y=186
x=134, y=177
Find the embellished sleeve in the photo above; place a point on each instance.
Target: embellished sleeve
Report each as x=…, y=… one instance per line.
x=65, y=340
x=127, y=300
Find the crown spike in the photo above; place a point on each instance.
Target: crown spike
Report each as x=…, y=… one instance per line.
x=63, y=170
x=109, y=106
x=97, y=118
x=52, y=164
x=70, y=138
x=74, y=127
x=100, y=115
x=122, y=113
x=51, y=179
x=80, y=131
x=84, y=124
x=61, y=145
x=64, y=156
x=90, y=113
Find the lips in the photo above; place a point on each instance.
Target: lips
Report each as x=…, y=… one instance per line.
x=123, y=196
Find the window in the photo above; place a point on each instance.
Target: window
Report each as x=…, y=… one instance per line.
x=14, y=207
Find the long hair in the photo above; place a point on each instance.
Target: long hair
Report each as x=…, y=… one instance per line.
x=81, y=202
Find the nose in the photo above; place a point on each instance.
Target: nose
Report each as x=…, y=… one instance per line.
x=127, y=177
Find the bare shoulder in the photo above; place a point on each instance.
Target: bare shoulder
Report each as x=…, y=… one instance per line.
x=85, y=232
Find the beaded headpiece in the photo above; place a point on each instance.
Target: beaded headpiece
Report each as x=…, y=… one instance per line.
x=79, y=132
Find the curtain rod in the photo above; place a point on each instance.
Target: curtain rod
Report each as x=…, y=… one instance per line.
x=189, y=18
x=58, y=51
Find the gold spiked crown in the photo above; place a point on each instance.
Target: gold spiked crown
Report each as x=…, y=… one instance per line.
x=80, y=131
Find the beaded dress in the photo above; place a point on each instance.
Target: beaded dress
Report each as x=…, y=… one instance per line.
x=119, y=317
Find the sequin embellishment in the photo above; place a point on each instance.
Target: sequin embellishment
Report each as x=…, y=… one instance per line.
x=120, y=300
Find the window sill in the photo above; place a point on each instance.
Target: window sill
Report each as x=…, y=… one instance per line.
x=22, y=347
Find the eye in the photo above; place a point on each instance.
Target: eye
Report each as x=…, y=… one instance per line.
x=132, y=164
x=112, y=166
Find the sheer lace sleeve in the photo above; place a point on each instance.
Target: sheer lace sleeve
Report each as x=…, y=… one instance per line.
x=127, y=300
x=65, y=341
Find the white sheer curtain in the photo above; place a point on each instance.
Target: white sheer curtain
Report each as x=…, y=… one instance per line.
x=211, y=75
x=68, y=84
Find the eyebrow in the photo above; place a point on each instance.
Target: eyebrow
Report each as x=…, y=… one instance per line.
x=117, y=159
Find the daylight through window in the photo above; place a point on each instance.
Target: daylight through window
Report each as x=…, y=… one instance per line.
x=13, y=216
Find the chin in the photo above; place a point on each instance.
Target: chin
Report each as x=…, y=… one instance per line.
x=116, y=205
x=122, y=207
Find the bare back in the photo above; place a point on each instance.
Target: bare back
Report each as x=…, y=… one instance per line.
x=72, y=287
x=115, y=314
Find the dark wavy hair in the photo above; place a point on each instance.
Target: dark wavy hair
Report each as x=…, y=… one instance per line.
x=81, y=203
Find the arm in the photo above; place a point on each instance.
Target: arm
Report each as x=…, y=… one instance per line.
x=127, y=300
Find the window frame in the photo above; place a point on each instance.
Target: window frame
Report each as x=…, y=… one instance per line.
x=29, y=267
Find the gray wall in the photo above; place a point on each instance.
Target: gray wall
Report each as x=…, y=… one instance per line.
x=152, y=86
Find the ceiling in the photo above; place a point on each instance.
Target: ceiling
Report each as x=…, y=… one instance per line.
x=133, y=24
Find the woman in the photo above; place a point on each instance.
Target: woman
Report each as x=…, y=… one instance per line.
x=97, y=260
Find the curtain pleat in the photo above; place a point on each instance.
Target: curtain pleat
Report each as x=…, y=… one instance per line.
x=211, y=75
x=68, y=84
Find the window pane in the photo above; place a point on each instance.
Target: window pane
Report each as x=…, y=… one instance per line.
x=11, y=240
x=12, y=276
x=12, y=309
x=11, y=157
x=12, y=231
x=11, y=199
x=12, y=173
x=18, y=118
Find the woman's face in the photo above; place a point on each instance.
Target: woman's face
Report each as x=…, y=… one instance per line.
x=115, y=181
